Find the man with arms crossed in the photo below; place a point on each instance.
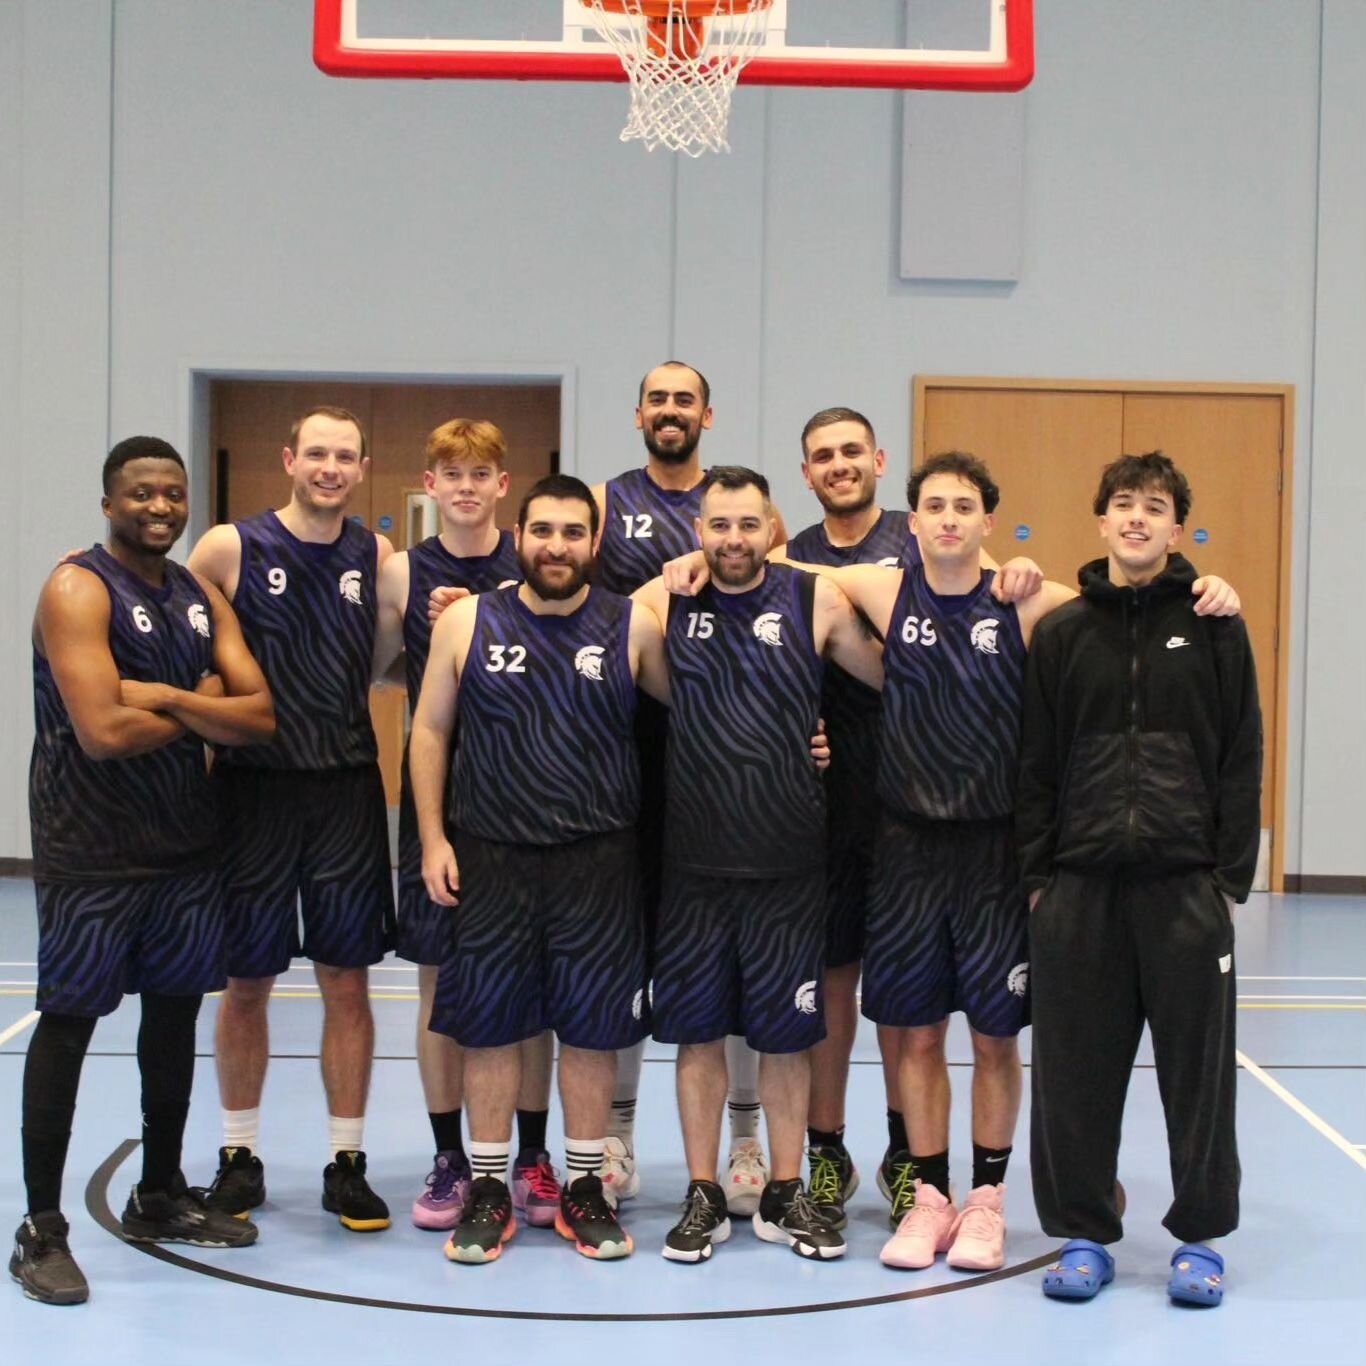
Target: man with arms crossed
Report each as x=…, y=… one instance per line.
x=466, y=477
x=742, y=921
x=136, y=663
x=544, y=796
x=1138, y=822
x=305, y=820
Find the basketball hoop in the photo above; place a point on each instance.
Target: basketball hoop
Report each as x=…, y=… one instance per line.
x=683, y=58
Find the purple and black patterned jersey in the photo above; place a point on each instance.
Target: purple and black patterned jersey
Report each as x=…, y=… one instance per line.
x=646, y=526
x=744, y=798
x=888, y=543
x=547, y=709
x=951, y=704
x=308, y=615
x=111, y=820
x=431, y=565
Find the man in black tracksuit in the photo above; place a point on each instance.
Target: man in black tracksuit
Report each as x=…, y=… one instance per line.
x=1138, y=825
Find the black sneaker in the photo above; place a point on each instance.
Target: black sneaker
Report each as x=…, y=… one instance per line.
x=240, y=1184
x=42, y=1262
x=182, y=1216
x=896, y=1180
x=347, y=1194
x=834, y=1179
x=486, y=1224
x=705, y=1221
x=586, y=1216
x=786, y=1214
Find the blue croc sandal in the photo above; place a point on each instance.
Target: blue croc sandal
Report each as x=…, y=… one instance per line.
x=1080, y=1271
x=1197, y=1276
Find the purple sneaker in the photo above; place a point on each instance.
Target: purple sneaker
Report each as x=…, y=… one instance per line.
x=535, y=1189
x=448, y=1190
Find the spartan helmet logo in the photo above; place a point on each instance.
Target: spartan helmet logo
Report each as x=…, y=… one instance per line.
x=1017, y=979
x=805, y=999
x=769, y=628
x=349, y=584
x=588, y=662
x=637, y=1003
x=890, y=562
x=984, y=635
x=198, y=618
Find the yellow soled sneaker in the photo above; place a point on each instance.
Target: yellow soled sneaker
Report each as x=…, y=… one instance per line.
x=347, y=1194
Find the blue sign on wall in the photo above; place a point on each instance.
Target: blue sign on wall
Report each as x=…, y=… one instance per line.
x=385, y=523
x=1201, y=535
x=1022, y=532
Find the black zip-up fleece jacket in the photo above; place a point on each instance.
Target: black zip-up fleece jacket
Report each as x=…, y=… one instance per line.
x=1142, y=741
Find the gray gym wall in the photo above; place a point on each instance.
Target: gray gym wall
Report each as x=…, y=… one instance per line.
x=179, y=187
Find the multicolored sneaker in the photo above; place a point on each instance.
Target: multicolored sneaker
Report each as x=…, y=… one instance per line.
x=485, y=1225
x=979, y=1236
x=926, y=1230
x=182, y=1216
x=588, y=1219
x=786, y=1214
x=620, y=1180
x=239, y=1185
x=42, y=1263
x=896, y=1180
x=535, y=1189
x=834, y=1179
x=705, y=1223
x=448, y=1187
x=347, y=1194
x=746, y=1176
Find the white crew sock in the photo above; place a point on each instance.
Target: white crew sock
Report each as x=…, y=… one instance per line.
x=622, y=1121
x=742, y=1099
x=241, y=1128
x=582, y=1157
x=345, y=1135
x=490, y=1159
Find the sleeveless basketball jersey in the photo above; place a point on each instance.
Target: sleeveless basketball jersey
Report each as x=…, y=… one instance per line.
x=547, y=710
x=431, y=565
x=117, y=819
x=951, y=704
x=744, y=798
x=646, y=527
x=308, y=615
x=888, y=542
x=852, y=710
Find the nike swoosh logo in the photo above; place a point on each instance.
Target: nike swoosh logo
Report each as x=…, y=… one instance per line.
x=995, y=1159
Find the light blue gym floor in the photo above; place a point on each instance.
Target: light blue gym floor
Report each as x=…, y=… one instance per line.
x=311, y=1292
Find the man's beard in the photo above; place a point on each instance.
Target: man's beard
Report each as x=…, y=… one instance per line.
x=673, y=455
x=734, y=573
x=554, y=590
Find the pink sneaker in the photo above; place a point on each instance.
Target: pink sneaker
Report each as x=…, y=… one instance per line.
x=536, y=1191
x=979, y=1236
x=448, y=1190
x=926, y=1230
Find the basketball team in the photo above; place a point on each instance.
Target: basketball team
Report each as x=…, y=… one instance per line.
x=672, y=773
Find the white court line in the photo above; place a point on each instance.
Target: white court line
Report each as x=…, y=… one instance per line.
x=1243, y=977
x=18, y=1027
x=1301, y=1109
x=1244, y=997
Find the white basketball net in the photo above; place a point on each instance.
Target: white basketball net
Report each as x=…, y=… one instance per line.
x=681, y=87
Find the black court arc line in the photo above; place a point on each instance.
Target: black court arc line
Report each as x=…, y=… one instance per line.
x=97, y=1204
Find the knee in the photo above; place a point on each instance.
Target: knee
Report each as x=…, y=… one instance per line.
x=995, y=1054
x=923, y=1045
x=249, y=994
x=346, y=989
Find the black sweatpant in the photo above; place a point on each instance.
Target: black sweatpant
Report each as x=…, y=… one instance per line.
x=1107, y=954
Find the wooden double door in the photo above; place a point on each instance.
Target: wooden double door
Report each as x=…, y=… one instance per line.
x=1046, y=441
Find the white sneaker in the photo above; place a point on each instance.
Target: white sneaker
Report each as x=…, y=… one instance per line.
x=746, y=1176
x=620, y=1180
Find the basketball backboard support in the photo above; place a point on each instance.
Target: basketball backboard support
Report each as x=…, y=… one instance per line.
x=354, y=38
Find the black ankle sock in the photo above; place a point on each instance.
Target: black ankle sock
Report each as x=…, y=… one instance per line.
x=52, y=1073
x=896, y=1132
x=989, y=1165
x=531, y=1130
x=446, y=1131
x=934, y=1171
x=826, y=1138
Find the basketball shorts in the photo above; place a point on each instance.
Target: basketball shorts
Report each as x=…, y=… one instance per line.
x=98, y=942
x=545, y=937
x=310, y=846
x=424, y=927
x=741, y=956
x=948, y=927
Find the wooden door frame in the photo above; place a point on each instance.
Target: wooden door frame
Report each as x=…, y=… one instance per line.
x=194, y=418
x=921, y=385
